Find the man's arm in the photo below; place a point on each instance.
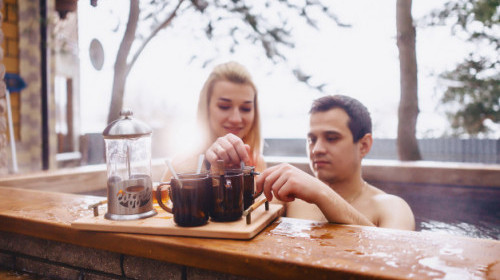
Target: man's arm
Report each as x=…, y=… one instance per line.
x=287, y=182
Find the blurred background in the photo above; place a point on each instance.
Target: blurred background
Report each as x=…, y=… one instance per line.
x=358, y=57
x=155, y=60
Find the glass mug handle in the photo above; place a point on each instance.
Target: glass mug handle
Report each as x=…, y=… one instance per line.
x=158, y=197
x=253, y=173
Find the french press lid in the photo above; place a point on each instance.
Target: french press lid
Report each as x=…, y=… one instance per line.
x=126, y=127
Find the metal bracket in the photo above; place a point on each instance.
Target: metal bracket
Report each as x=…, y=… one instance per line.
x=248, y=212
x=95, y=207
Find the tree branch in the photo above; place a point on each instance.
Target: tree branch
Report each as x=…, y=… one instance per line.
x=128, y=37
x=164, y=24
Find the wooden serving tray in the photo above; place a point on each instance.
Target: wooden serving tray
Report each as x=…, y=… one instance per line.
x=163, y=224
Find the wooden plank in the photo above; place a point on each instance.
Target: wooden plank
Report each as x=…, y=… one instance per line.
x=78, y=180
x=433, y=173
x=11, y=64
x=163, y=224
x=83, y=179
x=416, y=172
x=287, y=249
x=10, y=29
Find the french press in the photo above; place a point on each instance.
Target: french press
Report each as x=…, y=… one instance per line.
x=128, y=160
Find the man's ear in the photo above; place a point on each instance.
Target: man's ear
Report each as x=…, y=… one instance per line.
x=365, y=144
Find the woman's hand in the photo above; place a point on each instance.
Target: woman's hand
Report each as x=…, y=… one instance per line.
x=229, y=148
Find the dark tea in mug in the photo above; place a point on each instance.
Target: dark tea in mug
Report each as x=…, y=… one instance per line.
x=227, y=193
x=191, y=201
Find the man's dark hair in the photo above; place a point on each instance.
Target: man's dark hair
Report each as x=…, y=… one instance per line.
x=360, y=122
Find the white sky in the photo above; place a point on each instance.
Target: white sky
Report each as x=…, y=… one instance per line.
x=361, y=61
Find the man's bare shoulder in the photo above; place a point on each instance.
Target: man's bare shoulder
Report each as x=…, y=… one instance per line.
x=385, y=200
x=386, y=210
x=381, y=198
x=393, y=212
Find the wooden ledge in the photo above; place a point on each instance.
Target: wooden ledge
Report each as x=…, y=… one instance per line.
x=84, y=179
x=417, y=172
x=289, y=248
x=91, y=178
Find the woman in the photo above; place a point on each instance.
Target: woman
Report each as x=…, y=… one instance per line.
x=229, y=121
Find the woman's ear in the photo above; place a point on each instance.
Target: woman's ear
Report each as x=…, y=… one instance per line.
x=365, y=144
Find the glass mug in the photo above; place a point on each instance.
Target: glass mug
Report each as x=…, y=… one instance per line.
x=190, y=197
x=227, y=196
x=249, y=194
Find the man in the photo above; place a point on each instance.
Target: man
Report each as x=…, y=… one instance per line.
x=338, y=139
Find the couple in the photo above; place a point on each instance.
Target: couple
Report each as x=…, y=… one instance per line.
x=340, y=135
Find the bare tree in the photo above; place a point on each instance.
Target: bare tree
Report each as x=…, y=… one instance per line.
x=238, y=18
x=408, y=104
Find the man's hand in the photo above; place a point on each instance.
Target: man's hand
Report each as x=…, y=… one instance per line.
x=287, y=182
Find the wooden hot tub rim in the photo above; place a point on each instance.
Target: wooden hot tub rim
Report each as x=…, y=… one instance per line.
x=93, y=177
x=351, y=246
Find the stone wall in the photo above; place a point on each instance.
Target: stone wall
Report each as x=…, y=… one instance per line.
x=30, y=146
x=3, y=106
x=66, y=261
x=20, y=55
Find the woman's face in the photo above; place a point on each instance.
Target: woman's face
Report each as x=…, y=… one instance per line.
x=231, y=109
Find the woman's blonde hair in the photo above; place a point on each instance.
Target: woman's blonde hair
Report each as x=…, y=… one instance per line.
x=238, y=74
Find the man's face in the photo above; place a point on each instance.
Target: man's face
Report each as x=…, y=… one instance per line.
x=333, y=156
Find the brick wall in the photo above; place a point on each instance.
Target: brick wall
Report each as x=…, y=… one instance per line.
x=29, y=148
x=66, y=261
x=10, y=47
x=3, y=109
